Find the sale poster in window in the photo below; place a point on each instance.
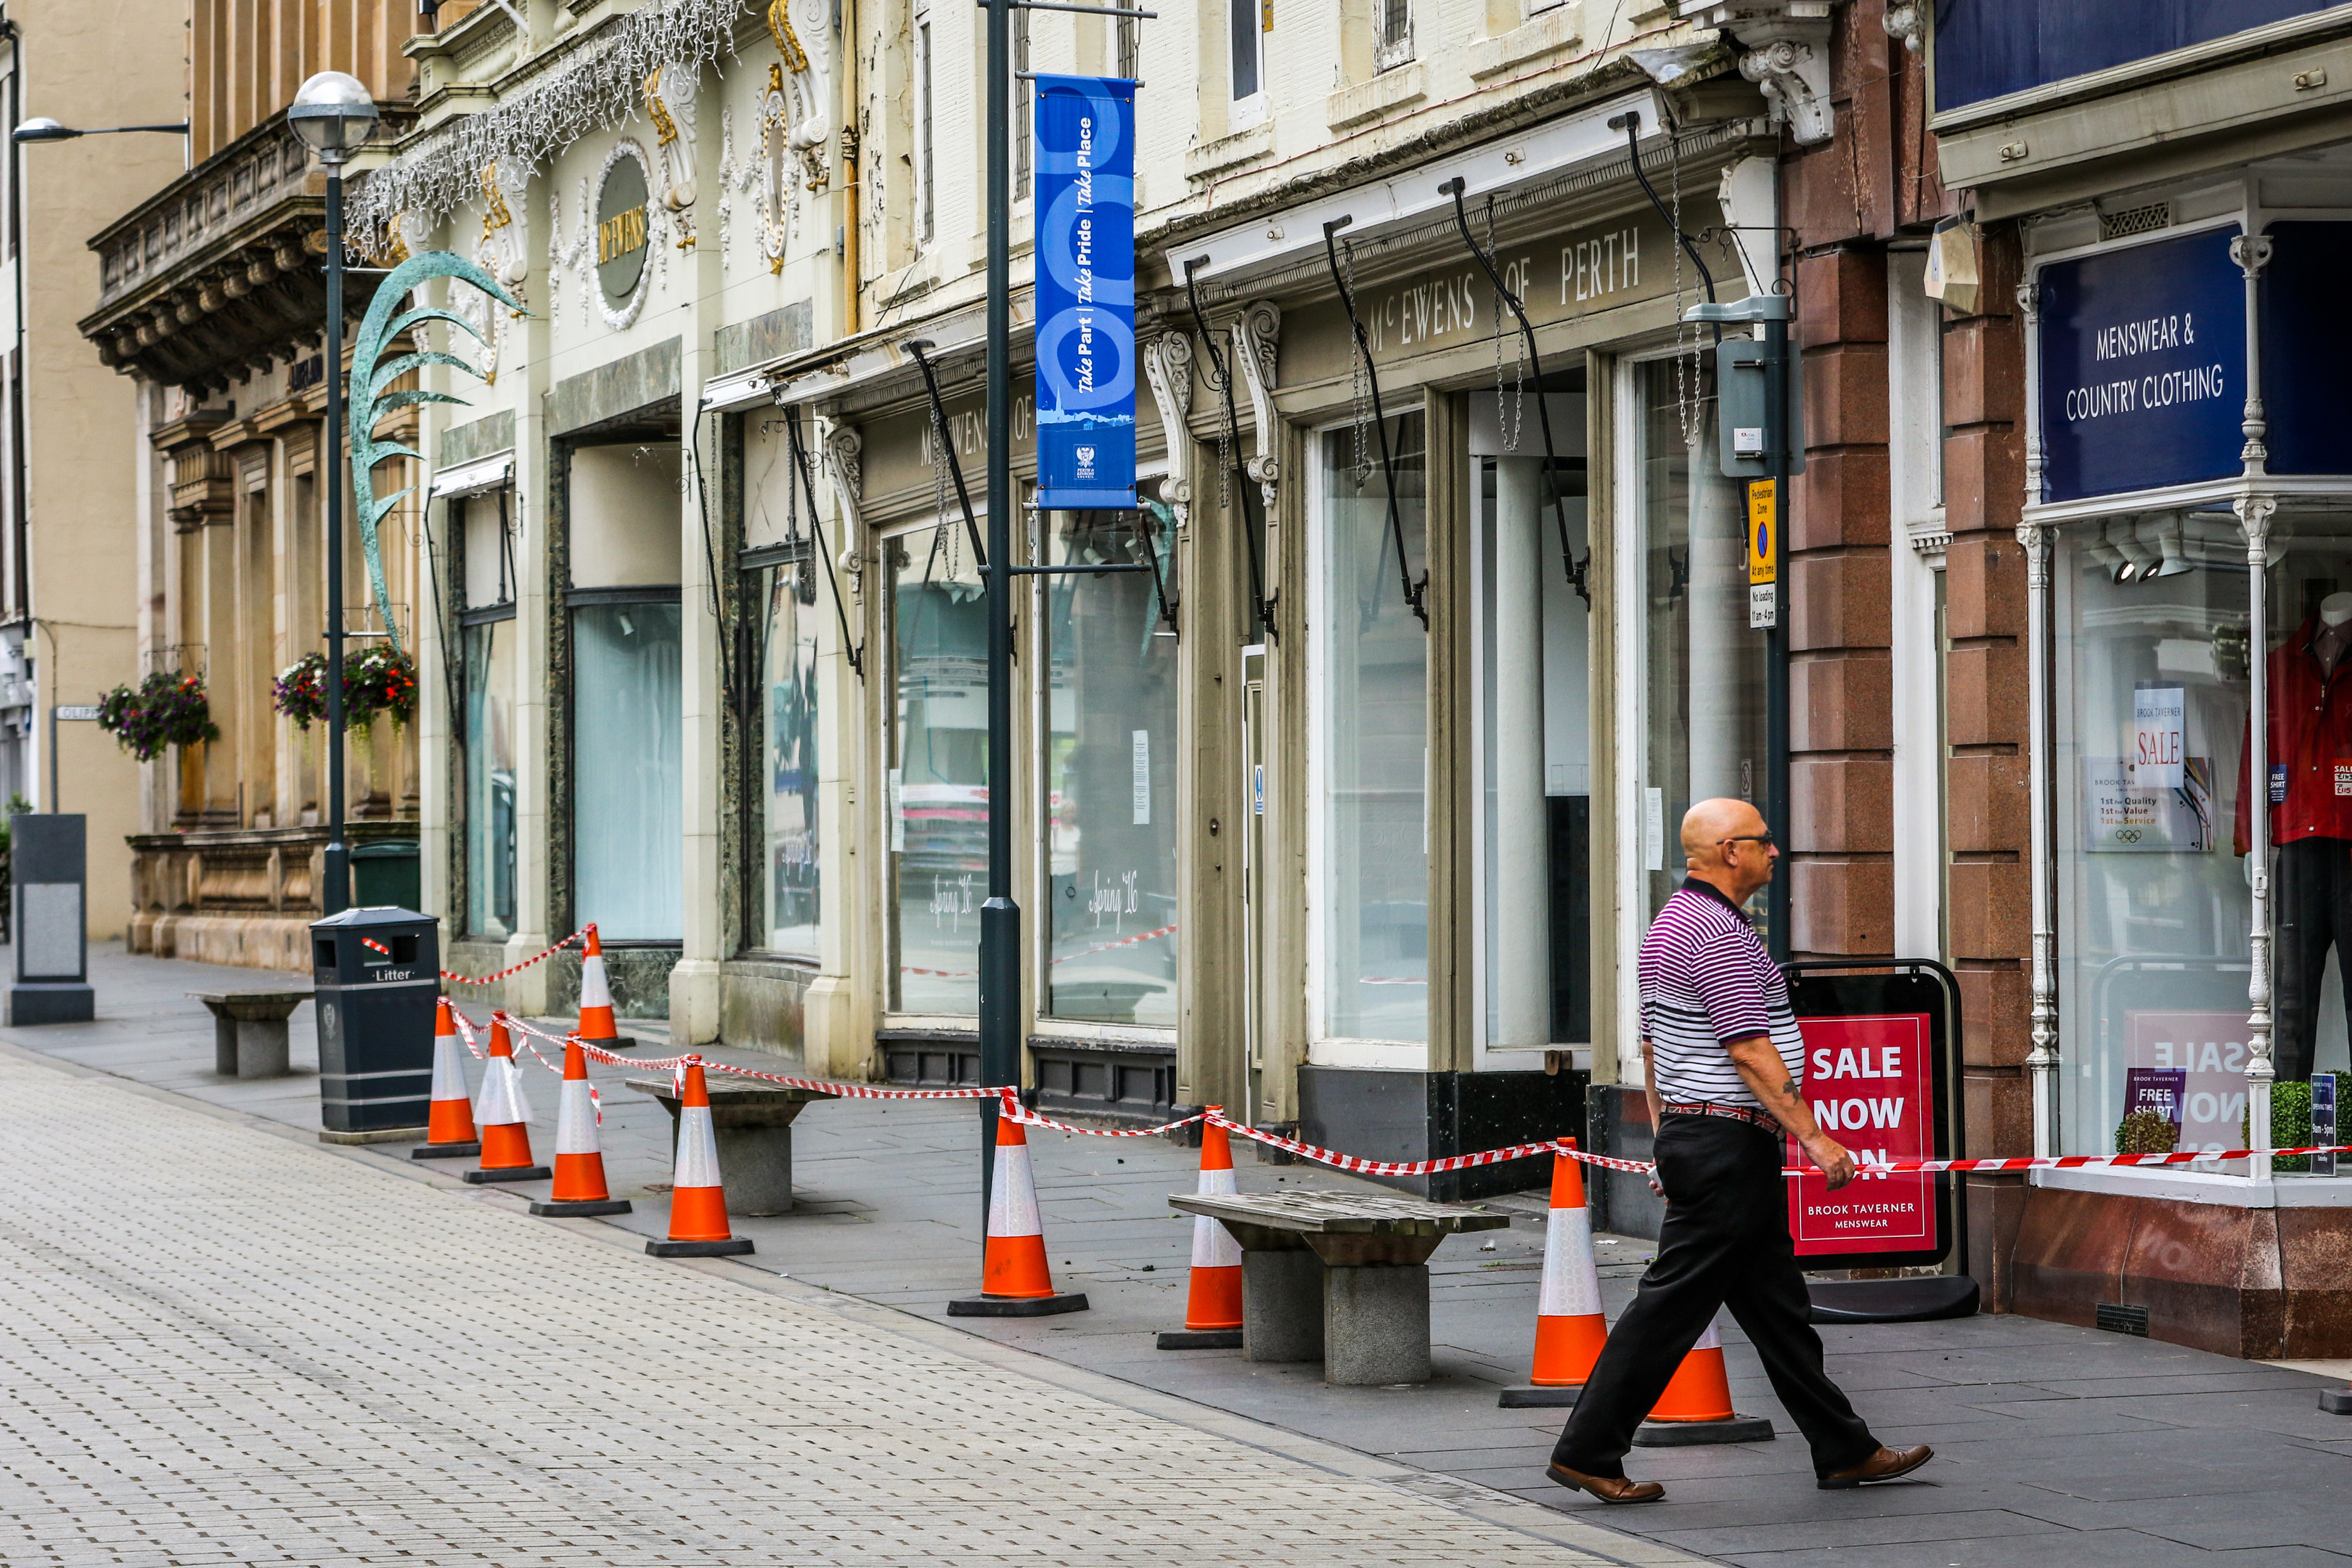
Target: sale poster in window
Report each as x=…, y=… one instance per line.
x=2207, y=1051
x=1869, y=1082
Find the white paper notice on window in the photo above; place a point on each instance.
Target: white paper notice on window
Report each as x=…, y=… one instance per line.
x=1654, y=830
x=898, y=816
x=2159, y=736
x=1142, y=778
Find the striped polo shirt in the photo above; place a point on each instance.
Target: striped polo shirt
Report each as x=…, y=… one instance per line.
x=1706, y=981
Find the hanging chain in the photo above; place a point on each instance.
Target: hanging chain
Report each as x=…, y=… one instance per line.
x=1358, y=385
x=943, y=529
x=792, y=499
x=1517, y=419
x=1686, y=376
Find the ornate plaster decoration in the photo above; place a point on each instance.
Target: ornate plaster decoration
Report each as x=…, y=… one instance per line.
x=598, y=89
x=503, y=249
x=779, y=197
x=843, y=461
x=1256, y=336
x=1902, y=22
x=806, y=122
x=576, y=255
x=1788, y=44
x=670, y=101
x=1168, y=364
x=727, y=177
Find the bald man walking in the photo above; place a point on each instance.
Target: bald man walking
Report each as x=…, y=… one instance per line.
x=1725, y=1069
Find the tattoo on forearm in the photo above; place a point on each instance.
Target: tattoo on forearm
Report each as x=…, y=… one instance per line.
x=1790, y=1088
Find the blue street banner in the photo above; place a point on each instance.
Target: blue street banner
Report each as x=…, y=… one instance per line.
x=1084, y=205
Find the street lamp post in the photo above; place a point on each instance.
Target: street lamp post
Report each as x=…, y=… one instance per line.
x=334, y=113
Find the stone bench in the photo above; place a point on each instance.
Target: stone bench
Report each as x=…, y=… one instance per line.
x=754, y=1124
x=1342, y=1278
x=249, y=1030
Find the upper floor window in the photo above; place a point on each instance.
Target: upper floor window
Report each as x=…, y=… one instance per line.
x=926, y=135
x=1243, y=29
x=1990, y=48
x=1393, y=47
x=1023, y=107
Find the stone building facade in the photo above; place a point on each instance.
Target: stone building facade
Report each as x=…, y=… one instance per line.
x=210, y=305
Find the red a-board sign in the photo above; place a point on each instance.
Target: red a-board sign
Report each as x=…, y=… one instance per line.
x=1871, y=1081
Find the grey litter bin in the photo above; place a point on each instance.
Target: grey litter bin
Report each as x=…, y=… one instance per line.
x=375, y=973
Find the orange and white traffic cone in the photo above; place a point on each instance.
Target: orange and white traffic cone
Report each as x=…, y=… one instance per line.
x=1696, y=1408
x=1569, y=1328
x=1213, y=1306
x=579, y=1159
x=449, y=1121
x=1013, y=1279
x=506, y=1141
x=697, y=1198
x=596, y=1026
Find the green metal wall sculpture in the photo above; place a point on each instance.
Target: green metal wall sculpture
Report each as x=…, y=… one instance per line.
x=370, y=402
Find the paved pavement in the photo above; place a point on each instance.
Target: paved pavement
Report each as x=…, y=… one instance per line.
x=221, y=1343
x=2075, y=1447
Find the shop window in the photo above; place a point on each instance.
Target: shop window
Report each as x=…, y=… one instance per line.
x=938, y=779
x=627, y=803
x=489, y=764
x=1534, y=743
x=1703, y=675
x=780, y=792
x=2150, y=612
x=1109, y=774
x=1370, y=749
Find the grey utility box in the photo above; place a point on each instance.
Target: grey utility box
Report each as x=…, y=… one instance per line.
x=49, y=860
x=375, y=974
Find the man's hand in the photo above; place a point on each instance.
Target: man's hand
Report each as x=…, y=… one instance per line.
x=1831, y=1158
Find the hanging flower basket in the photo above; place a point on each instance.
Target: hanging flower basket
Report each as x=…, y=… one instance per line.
x=167, y=709
x=301, y=690
x=377, y=679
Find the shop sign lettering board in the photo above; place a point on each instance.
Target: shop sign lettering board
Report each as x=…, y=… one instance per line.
x=2143, y=367
x=1870, y=1080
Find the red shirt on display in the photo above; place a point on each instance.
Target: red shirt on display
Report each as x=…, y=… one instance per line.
x=2310, y=740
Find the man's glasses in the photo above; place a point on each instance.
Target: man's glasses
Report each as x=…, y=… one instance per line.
x=1747, y=838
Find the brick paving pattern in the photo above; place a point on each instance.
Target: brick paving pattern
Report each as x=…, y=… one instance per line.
x=220, y=1345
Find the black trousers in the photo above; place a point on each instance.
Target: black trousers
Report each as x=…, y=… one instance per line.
x=2313, y=906
x=1725, y=1242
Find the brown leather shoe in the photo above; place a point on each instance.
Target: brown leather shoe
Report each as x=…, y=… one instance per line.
x=1884, y=1466
x=1608, y=1489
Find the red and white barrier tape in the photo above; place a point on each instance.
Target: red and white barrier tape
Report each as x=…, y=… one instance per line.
x=2076, y=1162
x=503, y=974
x=825, y=1085
x=1356, y=1163
x=1028, y=1118
x=1332, y=1157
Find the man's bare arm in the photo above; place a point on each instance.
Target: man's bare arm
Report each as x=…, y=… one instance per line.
x=1768, y=1079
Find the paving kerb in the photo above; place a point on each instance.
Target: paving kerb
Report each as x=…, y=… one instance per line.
x=888, y=1215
